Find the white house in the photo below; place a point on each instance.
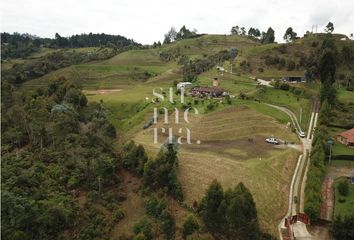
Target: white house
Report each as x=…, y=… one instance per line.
x=183, y=85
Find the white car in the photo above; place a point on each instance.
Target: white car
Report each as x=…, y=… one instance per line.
x=272, y=140
x=301, y=134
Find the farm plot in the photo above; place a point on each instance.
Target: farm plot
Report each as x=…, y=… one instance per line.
x=232, y=149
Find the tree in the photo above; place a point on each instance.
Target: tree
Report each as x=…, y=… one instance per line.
x=232, y=213
x=327, y=69
x=170, y=36
x=210, y=206
x=347, y=55
x=254, y=32
x=290, y=35
x=241, y=213
x=168, y=224
x=162, y=172
x=329, y=27
x=134, y=157
x=243, y=31
x=190, y=226
x=185, y=33
x=268, y=37
x=235, y=30
x=343, y=228
x=343, y=188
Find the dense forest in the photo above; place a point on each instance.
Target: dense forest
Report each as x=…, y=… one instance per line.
x=54, y=146
x=64, y=52
x=22, y=45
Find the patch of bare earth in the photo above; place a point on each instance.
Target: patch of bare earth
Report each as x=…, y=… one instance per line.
x=101, y=91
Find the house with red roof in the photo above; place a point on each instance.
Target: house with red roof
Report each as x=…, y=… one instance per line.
x=346, y=138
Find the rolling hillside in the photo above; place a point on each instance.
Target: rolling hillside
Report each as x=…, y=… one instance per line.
x=232, y=133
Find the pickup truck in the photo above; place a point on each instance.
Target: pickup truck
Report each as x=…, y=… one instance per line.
x=272, y=140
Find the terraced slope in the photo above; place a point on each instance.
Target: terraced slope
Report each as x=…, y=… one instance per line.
x=232, y=149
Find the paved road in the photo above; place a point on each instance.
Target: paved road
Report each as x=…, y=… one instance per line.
x=297, y=186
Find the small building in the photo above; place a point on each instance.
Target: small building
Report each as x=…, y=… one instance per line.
x=183, y=85
x=216, y=82
x=294, y=79
x=346, y=138
x=207, y=92
x=221, y=69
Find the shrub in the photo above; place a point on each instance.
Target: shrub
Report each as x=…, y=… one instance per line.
x=297, y=91
x=210, y=106
x=343, y=228
x=284, y=86
x=189, y=226
x=242, y=96
x=118, y=215
x=343, y=188
x=341, y=200
x=144, y=226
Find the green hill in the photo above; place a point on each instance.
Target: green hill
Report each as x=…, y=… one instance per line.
x=232, y=130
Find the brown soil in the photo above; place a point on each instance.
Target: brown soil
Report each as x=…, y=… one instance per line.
x=101, y=91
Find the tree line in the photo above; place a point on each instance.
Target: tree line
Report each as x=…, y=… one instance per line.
x=254, y=33
x=315, y=175
x=184, y=33
x=22, y=72
x=268, y=36
x=18, y=45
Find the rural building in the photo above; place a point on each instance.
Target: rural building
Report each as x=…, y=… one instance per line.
x=346, y=138
x=207, y=92
x=221, y=69
x=183, y=85
x=294, y=79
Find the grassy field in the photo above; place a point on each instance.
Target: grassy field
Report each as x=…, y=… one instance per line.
x=342, y=163
x=340, y=149
x=345, y=208
x=233, y=149
x=287, y=99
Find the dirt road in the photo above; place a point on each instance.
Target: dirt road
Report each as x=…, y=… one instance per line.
x=297, y=187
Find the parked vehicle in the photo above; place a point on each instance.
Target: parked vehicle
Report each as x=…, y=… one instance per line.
x=272, y=140
x=302, y=134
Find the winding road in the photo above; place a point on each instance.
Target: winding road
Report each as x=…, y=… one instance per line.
x=298, y=181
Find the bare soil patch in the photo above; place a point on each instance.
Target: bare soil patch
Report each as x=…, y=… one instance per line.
x=101, y=91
